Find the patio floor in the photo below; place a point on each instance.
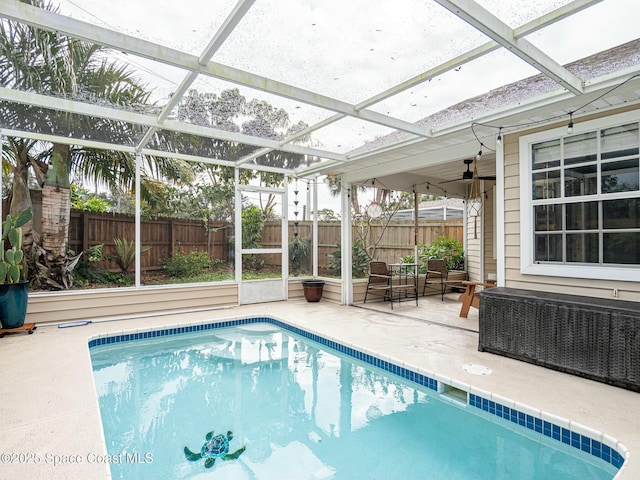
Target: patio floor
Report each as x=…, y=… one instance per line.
x=49, y=411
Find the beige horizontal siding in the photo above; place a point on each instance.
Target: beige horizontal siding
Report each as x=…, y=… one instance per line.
x=123, y=302
x=331, y=292
x=513, y=277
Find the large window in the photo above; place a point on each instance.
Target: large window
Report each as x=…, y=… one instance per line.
x=581, y=207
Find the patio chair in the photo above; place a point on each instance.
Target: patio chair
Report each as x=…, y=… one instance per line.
x=379, y=281
x=438, y=277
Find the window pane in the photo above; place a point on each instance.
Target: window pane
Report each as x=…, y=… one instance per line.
x=619, y=141
x=622, y=248
x=624, y=213
x=548, y=218
x=620, y=176
x=580, y=148
x=545, y=155
x=546, y=184
x=580, y=181
x=582, y=216
x=582, y=247
x=548, y=247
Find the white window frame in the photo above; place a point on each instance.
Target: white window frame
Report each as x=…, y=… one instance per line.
x=629, y=273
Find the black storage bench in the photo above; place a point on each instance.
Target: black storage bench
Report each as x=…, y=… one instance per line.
x=592, y=337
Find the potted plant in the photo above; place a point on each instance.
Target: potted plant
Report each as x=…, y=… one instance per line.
x=313, y=290
x=14, y=289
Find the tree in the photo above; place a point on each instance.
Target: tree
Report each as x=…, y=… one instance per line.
x=327, y=215
x=369, y=230
x=335, y=189
x=82, y=199
x=231, y=111
x=49, y=63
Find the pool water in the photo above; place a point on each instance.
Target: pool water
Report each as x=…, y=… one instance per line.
x=303, y=411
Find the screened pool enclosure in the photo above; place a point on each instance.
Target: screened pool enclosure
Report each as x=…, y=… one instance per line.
x=211, y=111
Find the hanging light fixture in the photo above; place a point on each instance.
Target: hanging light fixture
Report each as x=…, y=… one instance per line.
x=374, y=209
x=499, y=139
x=570, y=126
x=474, y=197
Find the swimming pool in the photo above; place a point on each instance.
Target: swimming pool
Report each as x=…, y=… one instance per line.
x=308, y=407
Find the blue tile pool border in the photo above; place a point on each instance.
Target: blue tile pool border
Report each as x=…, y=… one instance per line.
x=564, y=435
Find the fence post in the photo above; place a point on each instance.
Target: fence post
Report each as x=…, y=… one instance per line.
x=85, y=231
x=172, y=237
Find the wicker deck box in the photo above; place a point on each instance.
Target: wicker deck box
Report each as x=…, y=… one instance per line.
x=592, y=337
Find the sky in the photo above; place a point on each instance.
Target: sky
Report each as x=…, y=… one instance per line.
x=352, y=50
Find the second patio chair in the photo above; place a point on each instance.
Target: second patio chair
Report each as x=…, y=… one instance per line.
x=438, y=277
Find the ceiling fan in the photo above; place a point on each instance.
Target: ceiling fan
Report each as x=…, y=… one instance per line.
x=467, y=175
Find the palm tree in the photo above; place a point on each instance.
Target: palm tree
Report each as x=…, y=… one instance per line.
x=45, y=62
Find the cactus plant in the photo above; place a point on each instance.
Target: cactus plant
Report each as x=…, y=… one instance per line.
x=11, y=260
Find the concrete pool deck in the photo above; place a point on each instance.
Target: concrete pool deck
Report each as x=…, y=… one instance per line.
x=50, y=424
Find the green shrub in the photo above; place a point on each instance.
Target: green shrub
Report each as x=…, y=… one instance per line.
x=359, y=264
x=448, y=249
x=86, y=272
x=409, y=259
x=300, y=255
x=187, y=264
x=126, y=253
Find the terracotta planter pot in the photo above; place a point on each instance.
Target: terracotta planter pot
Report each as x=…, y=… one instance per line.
x=313, y=290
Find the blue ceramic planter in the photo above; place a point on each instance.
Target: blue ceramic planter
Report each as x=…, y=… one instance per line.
x=13, y=303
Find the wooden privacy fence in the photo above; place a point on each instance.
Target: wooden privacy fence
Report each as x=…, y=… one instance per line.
x=169, y=235
x=394, y=242
x=165, y=236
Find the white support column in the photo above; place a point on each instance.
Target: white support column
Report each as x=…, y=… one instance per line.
x=284, y=244
x=314, y=230
x=1, y=180
x=308, y=209
x=138, y=238
x=499, y=217
x=1, y=177
x=238, y=229
x=465, y=234
x=416, y=225
x=346, y=239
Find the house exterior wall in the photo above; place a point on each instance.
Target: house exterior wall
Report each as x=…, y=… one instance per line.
x=480, y=249
x=480, y=246
x=473, y=248
x=626, y=290
x=489, y=231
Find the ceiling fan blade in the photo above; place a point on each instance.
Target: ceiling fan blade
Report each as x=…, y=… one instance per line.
x=450, y=181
